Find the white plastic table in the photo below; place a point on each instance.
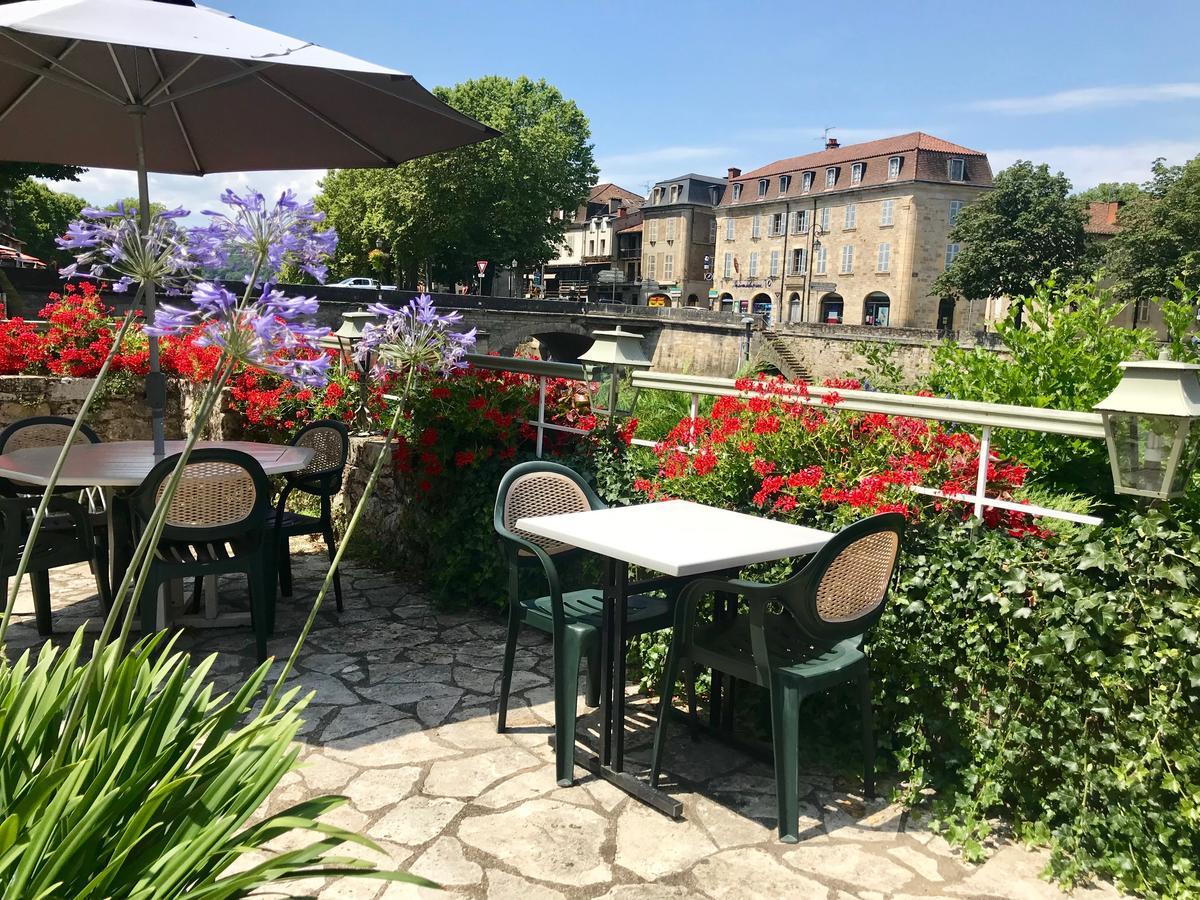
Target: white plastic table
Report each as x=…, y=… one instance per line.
x=677, y=538
x=125, y=464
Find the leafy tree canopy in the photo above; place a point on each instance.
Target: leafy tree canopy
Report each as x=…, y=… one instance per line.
x=1110, y=192
x=1016, y=235
x=39, y=215
x=13, y=173
x=490, y=201
x=1159, y=240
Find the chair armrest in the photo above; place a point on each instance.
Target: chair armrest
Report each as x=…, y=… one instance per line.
x=58, y=504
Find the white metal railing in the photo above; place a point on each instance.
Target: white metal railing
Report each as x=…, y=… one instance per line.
x=986, y=416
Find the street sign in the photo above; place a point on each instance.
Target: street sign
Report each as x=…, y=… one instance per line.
x=482, y=266
x=610, y=276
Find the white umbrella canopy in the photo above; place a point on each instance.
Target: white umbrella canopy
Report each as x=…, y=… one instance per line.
x=215, y=94
x=168, y=86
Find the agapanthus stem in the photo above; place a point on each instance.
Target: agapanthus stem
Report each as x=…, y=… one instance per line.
x=39, y=515
x=368, y=489
x=140, y=562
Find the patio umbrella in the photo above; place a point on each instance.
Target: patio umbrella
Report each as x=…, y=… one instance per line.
x=168, y=86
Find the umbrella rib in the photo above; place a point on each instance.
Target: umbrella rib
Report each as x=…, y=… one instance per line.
x=121, y=74
x=324, y=119
x=208, y=85
x=165, y=87
x=165, y=83
x=16, y=101
x=48, y=72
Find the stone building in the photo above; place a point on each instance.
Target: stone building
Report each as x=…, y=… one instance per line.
x=590, y=245
x=852, y=235
x=678, y=237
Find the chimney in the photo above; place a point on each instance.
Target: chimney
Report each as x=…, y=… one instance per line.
x=734, y=173
x=831, y=143
x=620, y=212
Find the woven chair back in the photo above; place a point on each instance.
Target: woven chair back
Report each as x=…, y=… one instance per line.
x=222, y=495
x=842, y=591
x=542, y=494
x=330, y=442
x=43, y=431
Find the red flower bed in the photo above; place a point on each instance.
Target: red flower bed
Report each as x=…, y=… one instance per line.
x=781, y=452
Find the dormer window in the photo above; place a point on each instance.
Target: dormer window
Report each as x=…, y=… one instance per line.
x=893, y=168
x=958, y=169
x=675, y=189
x=785, y=182
x=856, y=172
x=806, y=181
x=657, y=195
x=712, y=197
x=737, y=192
x=763, y=184
x=831, y=176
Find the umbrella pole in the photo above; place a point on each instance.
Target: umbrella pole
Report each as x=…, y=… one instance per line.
x=156, y=382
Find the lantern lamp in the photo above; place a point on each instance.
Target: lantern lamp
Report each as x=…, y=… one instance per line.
x=611, y=360
x=347, y=337
x=1150, y=427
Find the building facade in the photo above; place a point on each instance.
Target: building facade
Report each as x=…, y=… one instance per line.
x=590, y=246
x=852, y=235
x=679, y=230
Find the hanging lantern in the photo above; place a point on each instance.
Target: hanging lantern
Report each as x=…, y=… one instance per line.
x=1150, y=427
x=346, y=338
x=610, y=363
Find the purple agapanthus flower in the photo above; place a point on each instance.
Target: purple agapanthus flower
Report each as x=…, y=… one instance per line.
x=415, y=337
x=272, y=234
x=109, y=243
x=270, y=331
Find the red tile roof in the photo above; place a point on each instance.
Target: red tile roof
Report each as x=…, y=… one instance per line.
x=1102, y=218
x=916, y=140
x=601, y=193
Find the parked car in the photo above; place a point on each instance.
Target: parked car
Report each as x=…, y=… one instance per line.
x=371, y=284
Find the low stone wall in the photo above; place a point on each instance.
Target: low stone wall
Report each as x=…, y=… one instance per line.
x=833, y=351
x=119, y=415
x=382, y=519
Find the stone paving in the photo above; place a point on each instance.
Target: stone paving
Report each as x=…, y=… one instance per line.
x=403, y=724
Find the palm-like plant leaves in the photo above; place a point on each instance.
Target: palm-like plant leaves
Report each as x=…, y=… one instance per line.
x=155, y=795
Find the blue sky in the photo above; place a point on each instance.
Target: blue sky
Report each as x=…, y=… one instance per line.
x=1097, y=89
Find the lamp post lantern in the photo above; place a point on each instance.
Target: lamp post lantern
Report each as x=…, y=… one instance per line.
x=347, y=336
x=613, y=356
x=1150, y=426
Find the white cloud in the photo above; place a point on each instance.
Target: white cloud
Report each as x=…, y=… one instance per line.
x=1090, y=164
x=1092, y=98
x=103, y=186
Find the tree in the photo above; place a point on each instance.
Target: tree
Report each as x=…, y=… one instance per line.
x=1017, y=235
x=493, y=200
x=13, y=173
x=1159, y=240
x=1110, y=192
x=39, y=215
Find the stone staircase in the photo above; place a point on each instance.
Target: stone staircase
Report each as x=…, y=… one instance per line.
x=781, y=353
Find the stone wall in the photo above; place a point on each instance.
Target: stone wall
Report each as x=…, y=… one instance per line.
x=119, y=415
x=382, y=520
x=832, y=351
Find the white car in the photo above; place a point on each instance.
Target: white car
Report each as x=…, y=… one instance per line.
x=371, y=284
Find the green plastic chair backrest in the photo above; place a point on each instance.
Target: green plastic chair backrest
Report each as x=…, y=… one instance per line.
x=842, y=590
x=329, y=440
x=223, y=495
x=539, y=488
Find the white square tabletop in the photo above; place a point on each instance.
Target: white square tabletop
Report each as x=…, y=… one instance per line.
x=678, y=537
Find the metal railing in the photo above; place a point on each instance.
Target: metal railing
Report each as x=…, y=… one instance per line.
x=986, y=416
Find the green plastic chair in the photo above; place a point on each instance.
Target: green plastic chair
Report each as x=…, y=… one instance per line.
x=812, y=643
x=64, y=539
x=217, y=524
x=572, y=618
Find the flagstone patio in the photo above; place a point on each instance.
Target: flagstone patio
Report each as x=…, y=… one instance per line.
x=403, y=724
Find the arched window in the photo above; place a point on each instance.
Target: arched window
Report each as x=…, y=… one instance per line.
x=727, y=302
x=832, y=309
x=761, y=305
x=877, y=309
x=693, y=300
x=794, y=307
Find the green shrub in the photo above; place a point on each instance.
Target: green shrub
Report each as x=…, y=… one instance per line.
x=153, y=795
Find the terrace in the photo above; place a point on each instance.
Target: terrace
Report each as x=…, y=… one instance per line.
x=403, y=723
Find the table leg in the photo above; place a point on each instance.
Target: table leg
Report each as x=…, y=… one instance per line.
x=620, y=613
x=606, y=663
